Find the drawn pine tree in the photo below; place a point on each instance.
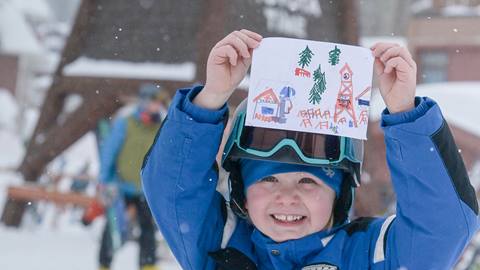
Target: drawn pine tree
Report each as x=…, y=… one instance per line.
x=334, y=56
x=319, y=86
x=305, y=57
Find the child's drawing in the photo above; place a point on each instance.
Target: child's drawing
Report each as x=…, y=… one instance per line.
x=328, y=92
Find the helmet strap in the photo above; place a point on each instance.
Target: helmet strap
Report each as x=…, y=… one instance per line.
x=344, y=202
x=237, y=196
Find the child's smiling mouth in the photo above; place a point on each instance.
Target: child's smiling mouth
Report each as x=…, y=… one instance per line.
x=283, y=219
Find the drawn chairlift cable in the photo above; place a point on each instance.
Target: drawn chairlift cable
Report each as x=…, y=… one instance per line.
x=363, y=101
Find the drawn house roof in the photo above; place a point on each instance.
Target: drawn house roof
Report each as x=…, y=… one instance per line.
x=267, y=95
x=346, y=67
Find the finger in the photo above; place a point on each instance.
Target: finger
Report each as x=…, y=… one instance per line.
x=380, y=44
x=225, y=53
x=398, y=64
x=236, y=43
x=251, y=34
x=251, y=43
x=248, y=61
x=398, y=51
x=379, y=48
x=379, y=67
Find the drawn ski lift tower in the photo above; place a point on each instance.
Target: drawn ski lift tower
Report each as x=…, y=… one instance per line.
x=345, y=96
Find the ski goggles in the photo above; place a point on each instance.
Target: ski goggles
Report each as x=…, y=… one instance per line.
x=310, y=148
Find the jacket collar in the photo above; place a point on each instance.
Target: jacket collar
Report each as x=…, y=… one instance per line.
x=291, y=252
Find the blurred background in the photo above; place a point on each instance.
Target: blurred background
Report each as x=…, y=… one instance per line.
x=68, y=68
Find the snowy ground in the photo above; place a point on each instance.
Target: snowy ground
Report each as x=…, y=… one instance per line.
x=56, y=240
x=24, y=249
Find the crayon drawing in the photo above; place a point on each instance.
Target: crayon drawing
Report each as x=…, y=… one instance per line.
x=310, y=86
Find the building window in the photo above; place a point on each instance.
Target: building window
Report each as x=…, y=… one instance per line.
x=434, y=65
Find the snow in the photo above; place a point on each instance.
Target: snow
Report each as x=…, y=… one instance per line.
x=29, y=122
x=290, y=17
x=310, y=7
x=8, y=110
x=72, y=103
x=421, y=5
x=60, y=242
x=11, y=144
x=457, y=100
x=73, y=159
x=36, y=9
x=84, y=66
x=61, y=249
x=16, y=35
x=458, y=11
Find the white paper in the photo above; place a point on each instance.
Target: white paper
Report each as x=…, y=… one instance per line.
x=289, y=91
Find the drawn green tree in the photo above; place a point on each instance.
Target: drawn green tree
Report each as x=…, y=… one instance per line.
x=319, y=86
x=334, y=56
x=305, y=57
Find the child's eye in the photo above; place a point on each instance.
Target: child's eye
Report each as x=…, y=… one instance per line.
x=307, y=180
x=269, y=179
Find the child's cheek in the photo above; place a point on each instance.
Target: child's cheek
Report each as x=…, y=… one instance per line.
x=316, y=195
x=258, y=190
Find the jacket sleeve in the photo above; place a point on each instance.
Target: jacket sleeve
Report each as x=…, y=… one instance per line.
x=436, y=205
x=109, y=150
x=179, y=180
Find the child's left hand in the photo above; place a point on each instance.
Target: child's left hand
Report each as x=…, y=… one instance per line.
x=397, y=76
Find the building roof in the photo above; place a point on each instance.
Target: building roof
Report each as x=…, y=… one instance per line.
x=84, y=66
x=459, y=102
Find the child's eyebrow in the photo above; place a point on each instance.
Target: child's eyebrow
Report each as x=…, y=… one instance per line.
x=308, y=178
x=269, y=178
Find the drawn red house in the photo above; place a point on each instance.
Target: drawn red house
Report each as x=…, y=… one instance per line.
x=266, y=106
x=302, y=72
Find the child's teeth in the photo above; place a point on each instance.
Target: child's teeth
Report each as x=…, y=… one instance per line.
x=287, y=217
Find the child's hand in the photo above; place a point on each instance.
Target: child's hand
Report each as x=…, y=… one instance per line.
x=227, y=65
x=397, y=75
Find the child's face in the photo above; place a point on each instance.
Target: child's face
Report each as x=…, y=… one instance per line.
x=290, y=205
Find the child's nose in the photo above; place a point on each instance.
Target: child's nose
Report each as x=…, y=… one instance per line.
x=287, y=196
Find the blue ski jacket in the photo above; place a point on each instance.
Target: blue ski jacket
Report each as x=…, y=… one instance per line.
x=436, y=205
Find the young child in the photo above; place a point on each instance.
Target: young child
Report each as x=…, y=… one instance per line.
x=292, y=202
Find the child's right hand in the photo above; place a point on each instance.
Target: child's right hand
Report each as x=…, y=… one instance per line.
x=227, y=65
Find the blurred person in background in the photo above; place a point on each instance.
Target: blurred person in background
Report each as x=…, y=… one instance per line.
x=122, y=153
